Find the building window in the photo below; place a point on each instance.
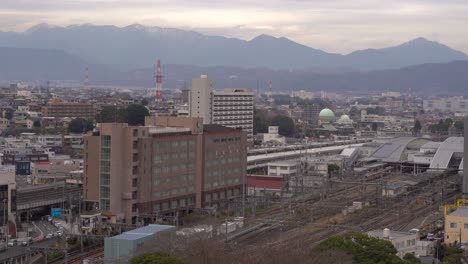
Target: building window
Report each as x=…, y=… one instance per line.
x=465, y=226
x=453, y=225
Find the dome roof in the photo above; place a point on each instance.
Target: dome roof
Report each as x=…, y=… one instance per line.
x=344, y=117
x=327, y=116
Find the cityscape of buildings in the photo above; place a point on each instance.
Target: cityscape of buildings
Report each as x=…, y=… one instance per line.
x=318, y=158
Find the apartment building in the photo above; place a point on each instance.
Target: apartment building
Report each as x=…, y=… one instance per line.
x=310, y=114
x=232, y=107
x=450, y=104
x=170, y=164
x=59, y=109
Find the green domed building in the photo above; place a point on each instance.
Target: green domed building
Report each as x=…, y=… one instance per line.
x=326, y=116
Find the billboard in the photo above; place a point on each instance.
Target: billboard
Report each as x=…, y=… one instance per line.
x=56, y=212
x=23, y=168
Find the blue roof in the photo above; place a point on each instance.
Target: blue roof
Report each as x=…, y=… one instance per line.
x=142, y=232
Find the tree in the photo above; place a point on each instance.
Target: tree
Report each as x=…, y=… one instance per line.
x=460, y=125
x=354, y=112
x=136, y=114
x=364, y=249
x=80, y=125
x=144, y=101
x=332, y=168
x=155, y=258
x=285, y=124
x=37, y=124
x=108, y=114
x=417, y=127
x=411, y=259
x=262, y=120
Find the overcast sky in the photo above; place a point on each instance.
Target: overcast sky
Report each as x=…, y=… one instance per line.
x=332, y=25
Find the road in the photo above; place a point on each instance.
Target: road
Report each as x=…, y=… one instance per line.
x=43, y=228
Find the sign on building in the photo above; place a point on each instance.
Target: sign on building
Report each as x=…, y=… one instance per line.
x=23, y=168
x=56, y=212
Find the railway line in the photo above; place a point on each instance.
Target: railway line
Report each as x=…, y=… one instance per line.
x=312, y=219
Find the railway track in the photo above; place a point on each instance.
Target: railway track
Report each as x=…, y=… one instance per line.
x=78, y=257
x=319, y=219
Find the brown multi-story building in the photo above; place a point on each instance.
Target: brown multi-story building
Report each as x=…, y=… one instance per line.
x=170, y=164
x=60, y=109
x=311, y=114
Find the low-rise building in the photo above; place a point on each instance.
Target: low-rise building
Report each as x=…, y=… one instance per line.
x=121, y=248
x=456, y=226
x=60, y=109
x=404, y=242
x=273, y=136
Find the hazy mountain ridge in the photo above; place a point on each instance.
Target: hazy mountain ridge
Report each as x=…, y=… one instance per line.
x=42, y=65
x=136, y=46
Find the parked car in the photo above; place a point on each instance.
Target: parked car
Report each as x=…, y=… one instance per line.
x=48, y=236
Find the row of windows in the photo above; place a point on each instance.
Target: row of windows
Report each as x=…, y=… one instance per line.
x=175, y=143
x=221, y=183
x=454, y=225
x=173, y=192
x=173, y=168
x=178, y=178
x=223, y=161
x=221, y=195
x=216, y=140
x=174, y=204
x=409, y=243
x=226, y=171
x=175, y=155
x=282, y=167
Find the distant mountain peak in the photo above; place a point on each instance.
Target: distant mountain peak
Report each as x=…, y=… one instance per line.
x=38, y=27
x=263, y=37
x=421, y=41
x=136, y=27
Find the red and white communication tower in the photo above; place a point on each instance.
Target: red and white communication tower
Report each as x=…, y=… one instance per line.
x=86, y=81
x=159, y=77
x=410, y=97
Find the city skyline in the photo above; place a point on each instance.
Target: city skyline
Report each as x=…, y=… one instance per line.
x=334, y=26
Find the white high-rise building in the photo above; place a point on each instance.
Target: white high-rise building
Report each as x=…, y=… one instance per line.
x=233, y=107
x=200, y=98
x=450, y=104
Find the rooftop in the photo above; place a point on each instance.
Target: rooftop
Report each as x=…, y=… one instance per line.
x=213, y=128
x=393, y=234
x=143, y=232
x=462, y=211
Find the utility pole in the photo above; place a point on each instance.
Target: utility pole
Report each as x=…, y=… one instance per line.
x=80, y=223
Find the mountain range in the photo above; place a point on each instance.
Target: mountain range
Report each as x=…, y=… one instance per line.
x=137, y=46
x=42, y=65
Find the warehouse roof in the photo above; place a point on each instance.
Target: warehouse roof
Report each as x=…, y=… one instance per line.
x=445, y=152
x=142, y=232
x=394, y=150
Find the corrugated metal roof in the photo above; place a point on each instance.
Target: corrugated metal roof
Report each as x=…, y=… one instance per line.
x=445, y=152
x=142, y=232
x=460, y=212
x=392, y=151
